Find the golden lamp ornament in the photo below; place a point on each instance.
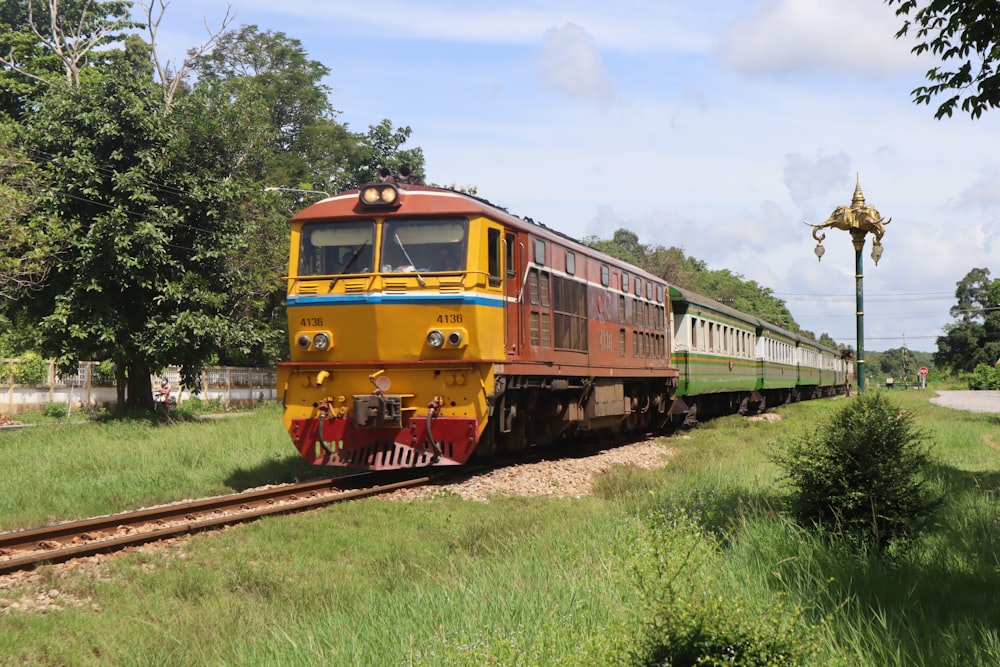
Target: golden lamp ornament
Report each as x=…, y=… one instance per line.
x=859, y=219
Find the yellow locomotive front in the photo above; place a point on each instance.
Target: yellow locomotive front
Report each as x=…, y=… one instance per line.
x=395, y=319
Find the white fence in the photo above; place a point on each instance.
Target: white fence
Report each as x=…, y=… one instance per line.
x=232, y=386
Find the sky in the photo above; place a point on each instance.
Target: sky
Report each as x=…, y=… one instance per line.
x=718, y=126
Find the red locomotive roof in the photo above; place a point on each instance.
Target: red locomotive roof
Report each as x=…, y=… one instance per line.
x=413, y=200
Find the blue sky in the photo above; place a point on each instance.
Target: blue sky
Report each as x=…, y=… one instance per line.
x=717, y=126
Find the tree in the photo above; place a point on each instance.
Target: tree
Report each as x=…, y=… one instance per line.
x=151, y=205
x=276, y=70
x=965, y=33
x=72, y=32
x=299, y=144
x=136, y=220
x=173, y=75
x=624, y=244
x=32, y=241
x=975, y=338
x=382, y=148
x=673, y=266
x=827, y=339
x=899, y=363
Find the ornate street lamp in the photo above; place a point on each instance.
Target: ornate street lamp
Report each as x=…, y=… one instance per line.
x=859, y=219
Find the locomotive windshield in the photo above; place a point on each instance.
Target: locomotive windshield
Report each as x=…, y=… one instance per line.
x=337, y=248
x=424, y=246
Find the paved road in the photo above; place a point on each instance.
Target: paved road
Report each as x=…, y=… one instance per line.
x=973, y=401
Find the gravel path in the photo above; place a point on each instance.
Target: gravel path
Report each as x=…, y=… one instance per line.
x=972, y=401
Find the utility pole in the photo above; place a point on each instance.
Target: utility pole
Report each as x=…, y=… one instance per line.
x=906, y=364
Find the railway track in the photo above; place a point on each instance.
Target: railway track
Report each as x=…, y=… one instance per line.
x=25, y=549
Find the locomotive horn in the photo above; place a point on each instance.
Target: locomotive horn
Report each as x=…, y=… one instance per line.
x=401, y=176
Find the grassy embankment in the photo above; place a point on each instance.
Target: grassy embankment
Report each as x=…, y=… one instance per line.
x=696, y=554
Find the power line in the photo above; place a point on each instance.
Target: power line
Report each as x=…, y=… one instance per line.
x=902, y=294
x=892, y=298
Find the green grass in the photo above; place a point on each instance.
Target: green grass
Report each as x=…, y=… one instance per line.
x=68, y=470
x=697, y=556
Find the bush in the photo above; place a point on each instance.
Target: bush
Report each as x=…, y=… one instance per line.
x=863, y=475
x=983, y=376
x=686, y=621
x=28, y=369
x=56, y=410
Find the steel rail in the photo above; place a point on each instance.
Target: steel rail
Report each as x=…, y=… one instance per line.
x=75, y=539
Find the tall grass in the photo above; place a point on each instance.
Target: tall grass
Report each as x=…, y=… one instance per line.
x=696, y=557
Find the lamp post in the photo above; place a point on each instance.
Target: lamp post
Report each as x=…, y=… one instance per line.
x=859, y=219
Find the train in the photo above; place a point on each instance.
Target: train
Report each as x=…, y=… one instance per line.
x=429, y=327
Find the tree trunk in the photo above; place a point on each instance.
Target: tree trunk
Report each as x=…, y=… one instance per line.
x=140, y=389
x=120, y=384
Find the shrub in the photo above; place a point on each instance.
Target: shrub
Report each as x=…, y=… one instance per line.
x=983, y=376
x=30, y=369
x=56, y=410
x=687, y=622
x=863, y=475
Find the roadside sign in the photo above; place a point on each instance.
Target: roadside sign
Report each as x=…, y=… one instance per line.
x=923, y=370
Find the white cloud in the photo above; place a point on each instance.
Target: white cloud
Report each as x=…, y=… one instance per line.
x=809, y=180
x=630, y=25
x=984, y=192
x=850, y=36
x=570, y=64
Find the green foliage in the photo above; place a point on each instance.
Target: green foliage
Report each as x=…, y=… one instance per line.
x=984, y=376
x=45, y=43
x=55, y=410
x=862, y=475
x=28, y=368
x=687, y=622
x=144, y=279
x=577, y=576
x=104, y=374
x=136, y=227
x=960, y=31
x=382, y=147
x=30, y=241
x=974, y=338
x=194, y=406
x=900, y=364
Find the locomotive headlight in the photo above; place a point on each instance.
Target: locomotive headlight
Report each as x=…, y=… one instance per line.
x=435, y=338
x=388, y=195
x=321, y=342
x=370, y=196
x=454, y=339
x=303, y=341
x=379, y=194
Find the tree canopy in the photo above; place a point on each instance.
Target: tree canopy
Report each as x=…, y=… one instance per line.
x=974, y=338
x=137, y=226
x=966, y=37
x=900, y=363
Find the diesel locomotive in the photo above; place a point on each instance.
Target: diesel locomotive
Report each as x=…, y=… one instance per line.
x=427, y=326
